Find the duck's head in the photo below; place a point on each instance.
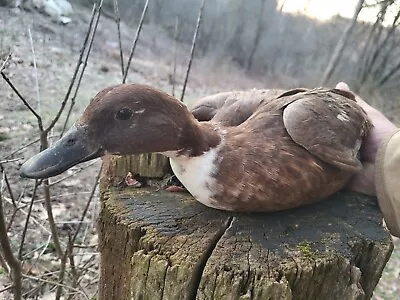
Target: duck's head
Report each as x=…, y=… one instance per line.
x=124, y=119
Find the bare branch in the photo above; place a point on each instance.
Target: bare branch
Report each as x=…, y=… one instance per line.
x=36, y=72
x=17, y=208
x=11, y=260
x=6, y=161
x=56, y=284
x=3, y=66
x=69, y=250
x=74, y=173
x=62, y=274
x=50, y=218
x=199, y=18
x=139, y=29
x=118, y=21
x=33, y=219
x=259, y=31
x=8, y=185
x=87, y=205
x=341, y=44
x=6, y=288
x=175, y=50
x=61, y=109
x=389, y=74
x=26, y=146
x=71, y=258
x=27, y=221
x=82, y=72
x=383, y=43
x=39, y=118
x=371, y=42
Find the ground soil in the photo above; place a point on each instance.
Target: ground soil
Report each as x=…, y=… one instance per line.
x=56, y=51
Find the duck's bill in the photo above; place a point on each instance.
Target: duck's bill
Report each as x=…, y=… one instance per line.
x=73, y=148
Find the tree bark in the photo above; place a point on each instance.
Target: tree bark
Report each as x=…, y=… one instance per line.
x=160, y=245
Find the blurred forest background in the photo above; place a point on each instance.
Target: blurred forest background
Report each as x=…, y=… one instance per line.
x=286, y=49
x=58, y=63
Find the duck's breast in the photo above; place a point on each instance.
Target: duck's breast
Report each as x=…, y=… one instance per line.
x=198, y=175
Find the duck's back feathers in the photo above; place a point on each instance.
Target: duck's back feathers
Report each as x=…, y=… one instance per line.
x=326, y=122
x=329, y=125
x=205, y=108
x=232, y=108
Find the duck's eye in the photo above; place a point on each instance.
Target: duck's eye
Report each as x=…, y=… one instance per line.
x=124, y=114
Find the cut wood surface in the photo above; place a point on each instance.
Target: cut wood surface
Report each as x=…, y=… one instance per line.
x=146, y=165
x=160, y=245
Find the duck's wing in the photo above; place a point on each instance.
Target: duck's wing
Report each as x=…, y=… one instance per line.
x=329, y=124
x=232, y=108
x=205, y=108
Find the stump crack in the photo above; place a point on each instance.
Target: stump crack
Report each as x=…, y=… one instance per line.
x=201, y=264
x=165, y=277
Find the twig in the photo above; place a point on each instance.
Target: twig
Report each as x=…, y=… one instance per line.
x=118, y=21
x=57, y=284
x=17, y=208
x=3, y=262
x=6, y=288
x=2, y=162
x=39, y=119
x=86, y=265
x=86, y=246
x=12, y=261
x=4, y=64
x=61, y=195
x=83, y=71
x=44, y=145
x=135, y=40
x=87, y=205
x=175, y=50
x=33, y=219
x=50, y=218
x=74, y=173
x=88, y=253
x=72, y=82
x=36, y=72
x=26, y=146
x=61, y=275
x=193, y=48
x=68, y=251
x=8, y=185
x=21, y=246
x=74, y=272
x=44, y=246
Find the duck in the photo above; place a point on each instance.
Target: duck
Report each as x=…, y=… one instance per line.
x=243, y=151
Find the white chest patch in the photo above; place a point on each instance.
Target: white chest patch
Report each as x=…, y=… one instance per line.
x=197, y=174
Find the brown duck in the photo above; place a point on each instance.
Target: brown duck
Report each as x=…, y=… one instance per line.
x=256, y=150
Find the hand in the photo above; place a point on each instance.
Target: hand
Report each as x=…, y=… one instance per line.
x=364, y=181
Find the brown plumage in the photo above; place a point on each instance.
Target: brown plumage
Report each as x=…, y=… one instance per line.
x=256, y=150
x=303, y=149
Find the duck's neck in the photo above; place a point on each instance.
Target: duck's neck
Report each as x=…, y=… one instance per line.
x=198, y=139
x=189, y=137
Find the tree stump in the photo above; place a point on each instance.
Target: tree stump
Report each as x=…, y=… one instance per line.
x=160, y=245
x=145, y=165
